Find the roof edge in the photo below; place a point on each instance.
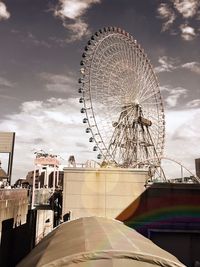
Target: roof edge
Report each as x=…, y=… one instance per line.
x=114, y=254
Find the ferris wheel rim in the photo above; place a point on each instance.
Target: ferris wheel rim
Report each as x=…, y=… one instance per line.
x=88, y=102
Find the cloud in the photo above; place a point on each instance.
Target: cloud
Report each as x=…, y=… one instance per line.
x=174, y=95
x=192, y=66
x=8, y=97
x=79, y=29
x=4, y=14
x=179, y=17
x=188, y=33
x=4, y=86
x=58, y=41
x=5, y=83
x=187, y=8
x=167, y=14
x=182, y=137
x=36, y=42
x=54, y=124
x=59, y=83
x=73, y=8
x=194, y=103
x=30, y=38
x=166, y=64
x=71, y=13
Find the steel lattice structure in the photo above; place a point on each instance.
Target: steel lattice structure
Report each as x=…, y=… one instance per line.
x=121, y=100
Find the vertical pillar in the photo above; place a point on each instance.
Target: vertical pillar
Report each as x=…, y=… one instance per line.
x=47, y=177
x=182, y=178
x=33, y=188
x=57, y=173
x=54, y=177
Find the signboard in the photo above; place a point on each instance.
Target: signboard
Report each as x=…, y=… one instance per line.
x=6, y=142
x=47, y=161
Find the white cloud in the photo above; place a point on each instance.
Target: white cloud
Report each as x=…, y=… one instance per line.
x=182, y=138
x=54, y=124
x=192, y=66
x=79, y=29
x=167, y=14
x=187, y=8
x=184, y=13
x=4, y=14
x=73, y=8
x=71, y=12
x=188, y=33
x=194, y=103
x=166, y=64
x=59, y=83
x=174, y=95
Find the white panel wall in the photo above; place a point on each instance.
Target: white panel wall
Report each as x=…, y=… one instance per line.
x=101, y=192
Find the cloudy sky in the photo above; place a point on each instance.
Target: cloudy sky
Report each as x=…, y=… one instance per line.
x=41, y=45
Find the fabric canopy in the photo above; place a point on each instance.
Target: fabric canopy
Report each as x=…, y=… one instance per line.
x=99, y=242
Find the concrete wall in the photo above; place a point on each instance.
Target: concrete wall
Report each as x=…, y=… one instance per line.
x=13, y=204
x=15, y=233
x=100, y=192
x=44, y=224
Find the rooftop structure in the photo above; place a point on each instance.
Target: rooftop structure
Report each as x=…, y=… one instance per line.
x=97, y=241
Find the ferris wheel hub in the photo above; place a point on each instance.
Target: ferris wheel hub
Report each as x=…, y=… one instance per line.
x=136, y=102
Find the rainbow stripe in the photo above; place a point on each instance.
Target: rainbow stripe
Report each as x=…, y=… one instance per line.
x=166, y=215
x=160, y=210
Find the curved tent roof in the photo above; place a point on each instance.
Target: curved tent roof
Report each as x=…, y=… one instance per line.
x=99, y=242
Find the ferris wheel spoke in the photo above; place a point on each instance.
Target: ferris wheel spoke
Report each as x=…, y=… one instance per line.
x=118, y=87
x=149, y=96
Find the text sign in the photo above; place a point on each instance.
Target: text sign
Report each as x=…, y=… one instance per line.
x=47, y=161
x=6, y=142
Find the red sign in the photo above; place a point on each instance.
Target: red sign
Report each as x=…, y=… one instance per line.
x=47, y=161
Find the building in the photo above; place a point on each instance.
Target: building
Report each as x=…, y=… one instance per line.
x=101, y=191
x=30, y=175
x=169, y=215
x=44, y=178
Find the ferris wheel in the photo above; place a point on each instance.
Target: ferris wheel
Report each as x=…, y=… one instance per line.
x=121, y=100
